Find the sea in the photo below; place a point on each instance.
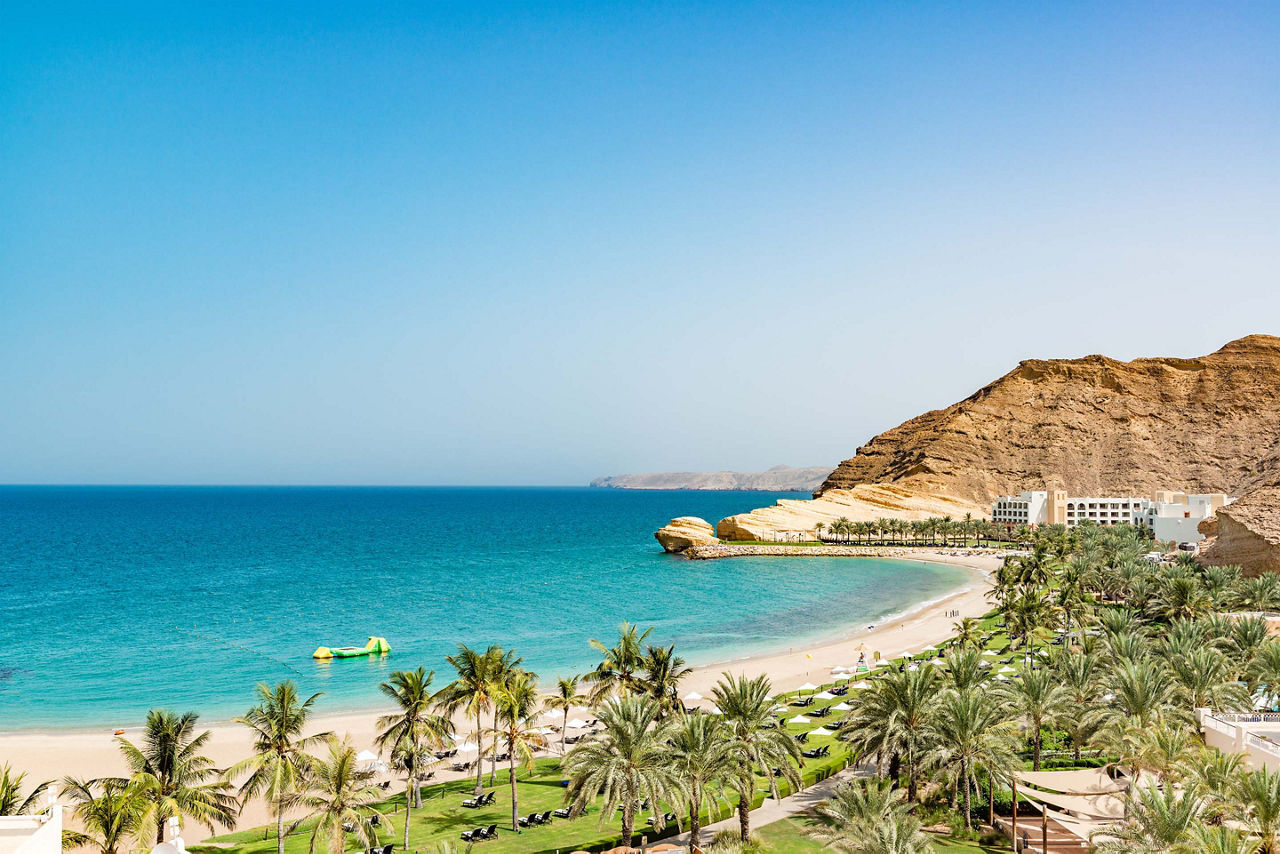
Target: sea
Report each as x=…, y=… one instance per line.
x=116, y=600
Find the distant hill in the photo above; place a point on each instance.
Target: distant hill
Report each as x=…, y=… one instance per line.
x=776, y=479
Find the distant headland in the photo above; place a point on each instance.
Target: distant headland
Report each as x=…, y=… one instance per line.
x=776, y=479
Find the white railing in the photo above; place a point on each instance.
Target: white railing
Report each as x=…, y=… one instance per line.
x=1247, y=717
x=1266, y=745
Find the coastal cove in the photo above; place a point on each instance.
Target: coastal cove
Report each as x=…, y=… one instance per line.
x=184, y=598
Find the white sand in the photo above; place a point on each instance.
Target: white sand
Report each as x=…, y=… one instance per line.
x=95, y=754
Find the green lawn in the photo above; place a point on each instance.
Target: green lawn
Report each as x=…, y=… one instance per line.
x=443, y=818
x=791, y=836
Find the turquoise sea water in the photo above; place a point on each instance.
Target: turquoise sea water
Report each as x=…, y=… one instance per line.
x=115, y=600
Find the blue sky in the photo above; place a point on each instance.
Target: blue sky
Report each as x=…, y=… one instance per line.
x=534, y=243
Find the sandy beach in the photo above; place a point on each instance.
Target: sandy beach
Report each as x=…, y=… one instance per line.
x=95, y=754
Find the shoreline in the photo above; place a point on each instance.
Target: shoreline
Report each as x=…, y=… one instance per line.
x=93, y=753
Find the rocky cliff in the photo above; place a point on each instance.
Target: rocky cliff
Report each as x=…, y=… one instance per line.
x=1092, y=426
x=776, y=479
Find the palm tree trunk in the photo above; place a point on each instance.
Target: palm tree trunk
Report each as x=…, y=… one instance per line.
x=912, y=789
x=280, y=831
x=968, y=804
x=628, y=822
x=1036, y=763
x=991, y=799
x=493, y=757
x=408, y=805
x=563, y=729
x=744, y=816
x=479, y=756
x=515, y=807
x=695, y=816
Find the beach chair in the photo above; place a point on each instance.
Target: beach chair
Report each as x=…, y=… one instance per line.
x=563, y=812
x=545, y=818
x=475, y=803
x=491, y=832
x=473, y=835
x=491, y=797
x=528, y=821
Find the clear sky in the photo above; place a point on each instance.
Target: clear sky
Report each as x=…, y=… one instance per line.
x=535, y=243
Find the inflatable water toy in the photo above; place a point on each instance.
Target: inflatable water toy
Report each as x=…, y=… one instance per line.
x=375, y=646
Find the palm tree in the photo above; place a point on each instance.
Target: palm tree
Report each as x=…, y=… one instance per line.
x=621, y=664
x=1257, y=799
x=663, y=672
x=1037, y=696
x=516, y=702
x=173, y=777
x=701, y=753
x=109, y=812
x=967, y=633
x=1221, y=840
x=625, y=762
x=566, y=696
x=969, y=730
x=12, y=801
x=412, y=733
x=1082, y=714
x=469, y=693
x=1207, y=681
x=280, y=760
x=339, y=794
x=869, y=817
x=757, y=744
x=1159, y=820
x=889, y=720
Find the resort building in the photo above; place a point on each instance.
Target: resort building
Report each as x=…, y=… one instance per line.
x=1169, y=515
x=1256, y=735
x=32, y=834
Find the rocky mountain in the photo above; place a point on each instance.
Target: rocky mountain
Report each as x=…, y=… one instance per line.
x=776, y=479
x=1092, y=426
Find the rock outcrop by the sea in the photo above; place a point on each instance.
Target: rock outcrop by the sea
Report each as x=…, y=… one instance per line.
x=1091, y=426
x=686, y=531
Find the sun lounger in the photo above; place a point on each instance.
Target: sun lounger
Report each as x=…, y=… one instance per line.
x=483, y=801
x=666, y=817
x=528, y=821
x=563, y=812
x=491, y=832
x=473, y=835
x=545, y=818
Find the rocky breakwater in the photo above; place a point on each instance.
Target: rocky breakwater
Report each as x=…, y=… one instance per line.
x=719, y=550
x=685, y=531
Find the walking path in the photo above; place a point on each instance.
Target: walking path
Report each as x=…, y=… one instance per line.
x=771, y=810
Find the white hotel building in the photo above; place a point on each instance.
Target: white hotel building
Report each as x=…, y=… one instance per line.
x=1169, y=515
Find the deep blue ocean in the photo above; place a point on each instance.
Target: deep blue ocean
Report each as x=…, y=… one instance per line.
x=114, y=600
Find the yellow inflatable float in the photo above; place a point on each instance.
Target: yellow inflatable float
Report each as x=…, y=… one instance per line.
x=375, y=646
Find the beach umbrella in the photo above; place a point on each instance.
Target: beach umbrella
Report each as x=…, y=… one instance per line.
x=576, y=723
x=858, y=686
x=780, y=708
x=1006, y=669
x=799, y=719
x=692, y=697
x=824, y=695
x=714, y=710
x=938, y=662
x=1002, y=677
x=366, y=756
x=821, y=731
x=929, y=648
x=842, y=707
x=808, y=686
x=990, y=652
x=468, y=747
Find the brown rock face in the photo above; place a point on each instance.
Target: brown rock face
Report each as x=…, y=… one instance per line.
x=1092, y=426
x=686, y=531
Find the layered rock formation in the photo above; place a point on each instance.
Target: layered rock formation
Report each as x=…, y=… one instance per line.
x=776, y=479
x=1246, y=533
x=1092, y=426
x=686, y=531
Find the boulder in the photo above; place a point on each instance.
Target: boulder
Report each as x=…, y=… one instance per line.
x=685, y=531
